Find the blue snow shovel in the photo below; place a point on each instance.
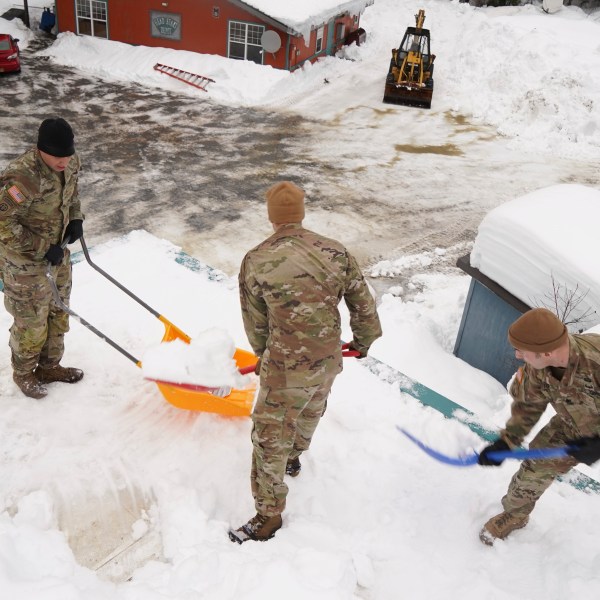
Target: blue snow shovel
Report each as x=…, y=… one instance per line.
x=498, y=455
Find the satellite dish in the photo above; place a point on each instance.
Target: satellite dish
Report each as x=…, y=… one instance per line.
x=270, y=41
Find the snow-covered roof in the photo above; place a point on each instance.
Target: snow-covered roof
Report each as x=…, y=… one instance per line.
x=543, y=239
x=301, y=17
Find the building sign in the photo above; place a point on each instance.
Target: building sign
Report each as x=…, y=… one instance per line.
x=165, y=25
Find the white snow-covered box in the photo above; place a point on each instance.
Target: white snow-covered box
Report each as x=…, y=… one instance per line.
x=538, y=250
x=544, y=248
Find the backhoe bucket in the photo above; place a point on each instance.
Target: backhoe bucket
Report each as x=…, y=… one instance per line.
x=408, y=95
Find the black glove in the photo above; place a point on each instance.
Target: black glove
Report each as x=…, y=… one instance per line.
x=485, y=461
x=73, y=231
x=354, y=346
x=588, y=449
x=54, y=255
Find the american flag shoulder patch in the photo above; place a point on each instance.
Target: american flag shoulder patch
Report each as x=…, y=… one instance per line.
x=15, y=193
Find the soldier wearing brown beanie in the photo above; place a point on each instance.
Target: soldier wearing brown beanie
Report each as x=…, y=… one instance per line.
x=290, y=288
x=562, y=370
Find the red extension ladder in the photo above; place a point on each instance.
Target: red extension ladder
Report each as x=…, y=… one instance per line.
x=197, y=81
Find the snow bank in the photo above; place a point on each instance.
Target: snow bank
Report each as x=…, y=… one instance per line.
x=17, y=29
x=548, y=236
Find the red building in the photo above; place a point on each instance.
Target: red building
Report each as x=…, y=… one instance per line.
x=230, y=28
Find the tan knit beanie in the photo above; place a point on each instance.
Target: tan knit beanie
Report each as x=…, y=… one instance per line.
x=285, y=203
x=538, y=330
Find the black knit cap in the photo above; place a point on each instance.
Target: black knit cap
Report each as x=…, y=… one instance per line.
x=55, y=137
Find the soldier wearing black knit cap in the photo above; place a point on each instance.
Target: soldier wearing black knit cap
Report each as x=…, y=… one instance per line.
x=39, y=210
x=562, y=370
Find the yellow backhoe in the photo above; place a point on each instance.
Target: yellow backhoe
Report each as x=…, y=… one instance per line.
x=410, y=78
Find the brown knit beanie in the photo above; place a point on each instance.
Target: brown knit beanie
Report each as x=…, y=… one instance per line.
x=538, y=330
x=285, y=203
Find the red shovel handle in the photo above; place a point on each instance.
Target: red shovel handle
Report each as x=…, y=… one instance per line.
x=349, y=353
x=345, y=352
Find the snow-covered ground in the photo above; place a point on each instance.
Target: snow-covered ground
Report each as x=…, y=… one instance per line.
x=370, y=516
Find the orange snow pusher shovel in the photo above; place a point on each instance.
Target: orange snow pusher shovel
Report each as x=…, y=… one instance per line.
x=224, y=401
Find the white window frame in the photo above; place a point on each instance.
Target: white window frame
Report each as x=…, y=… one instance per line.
x=319, y=42
x=95, y=9
x=340, y=30
x=245, y=39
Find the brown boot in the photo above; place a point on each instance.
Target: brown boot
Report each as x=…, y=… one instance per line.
x=259, y=528
x=30, y=385
x=58, y=373
x=293, y=467
x=500, y=526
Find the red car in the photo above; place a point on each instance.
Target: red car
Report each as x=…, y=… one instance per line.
x=9, y=54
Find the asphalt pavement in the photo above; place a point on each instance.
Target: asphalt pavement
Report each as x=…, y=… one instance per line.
x=194, y=172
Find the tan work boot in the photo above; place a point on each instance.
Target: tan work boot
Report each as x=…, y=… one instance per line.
x=259, y=528
x=30, y=385
x=58, y=373
x=293, y=467
x=500, y=526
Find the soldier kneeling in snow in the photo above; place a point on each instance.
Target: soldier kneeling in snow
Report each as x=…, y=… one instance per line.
x=562, y=370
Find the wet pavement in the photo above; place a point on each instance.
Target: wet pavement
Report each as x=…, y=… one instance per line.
x=194, y=172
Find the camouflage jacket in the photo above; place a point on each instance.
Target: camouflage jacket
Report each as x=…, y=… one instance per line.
x=290, y=288
x=35, y=207
x=575, y=398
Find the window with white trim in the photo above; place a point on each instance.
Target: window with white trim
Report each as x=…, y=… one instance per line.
x=244, y=41
x=319, y=46
x=92, y=17
x=340, y=31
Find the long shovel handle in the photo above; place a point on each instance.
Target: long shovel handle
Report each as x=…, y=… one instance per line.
x=59, y=302
x=114, y=281
x=345, y=353
x=472, y=458
x=171, y=330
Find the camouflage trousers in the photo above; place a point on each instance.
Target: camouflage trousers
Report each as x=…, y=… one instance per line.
x=39, y=326
x=284, y=423
x=535, y=476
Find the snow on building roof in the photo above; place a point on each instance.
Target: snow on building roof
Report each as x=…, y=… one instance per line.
x=302, y=16
x=545, y=238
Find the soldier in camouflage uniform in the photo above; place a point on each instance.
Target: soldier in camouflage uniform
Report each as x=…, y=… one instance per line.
x=290, y=288
x=561, y=370
x=39, y=209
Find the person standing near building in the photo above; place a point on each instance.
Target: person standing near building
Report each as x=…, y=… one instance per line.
x=290, y=288
x=561, y=370
x=39, y=209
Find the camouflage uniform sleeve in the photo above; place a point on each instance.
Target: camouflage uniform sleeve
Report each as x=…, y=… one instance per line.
x=254, y=309
x=15, y=197
x=75, y=208
x=529, y=403
x=364, y=320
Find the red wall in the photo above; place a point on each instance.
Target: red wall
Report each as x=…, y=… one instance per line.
x=129, y=22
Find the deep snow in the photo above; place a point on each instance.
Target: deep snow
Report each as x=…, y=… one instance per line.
x=370, y=516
